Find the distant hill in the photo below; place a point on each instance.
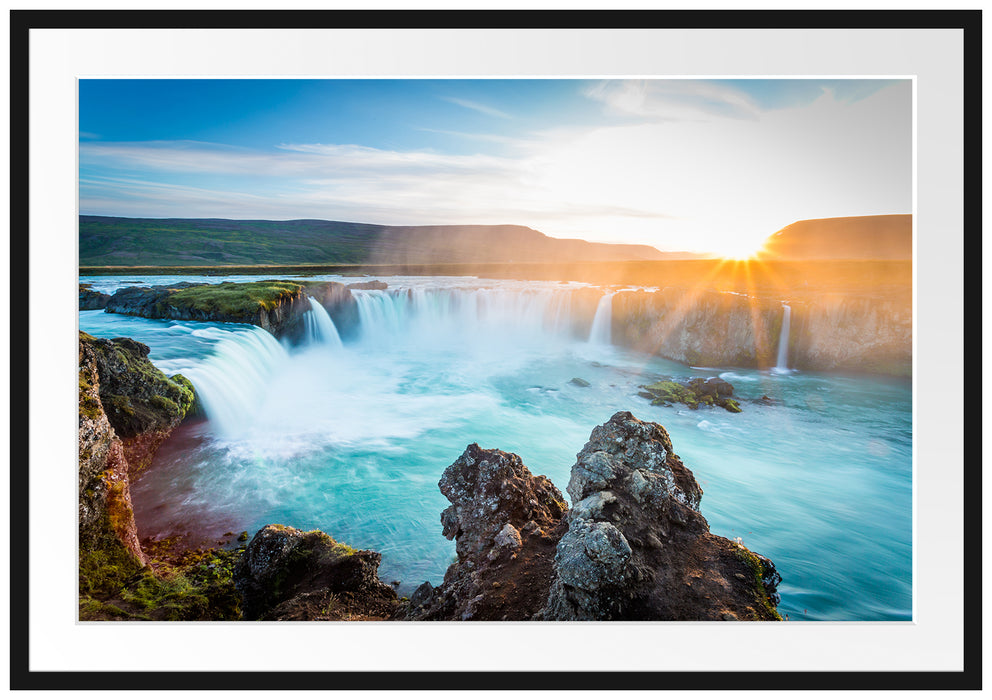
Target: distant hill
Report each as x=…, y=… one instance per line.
x=888, y=237
x=106, y=240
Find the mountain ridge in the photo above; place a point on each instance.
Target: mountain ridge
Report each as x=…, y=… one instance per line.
x=105, y=241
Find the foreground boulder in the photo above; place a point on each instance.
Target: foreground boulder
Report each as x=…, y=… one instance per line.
x=288, y=574
x=637, y=547
x=506, y=524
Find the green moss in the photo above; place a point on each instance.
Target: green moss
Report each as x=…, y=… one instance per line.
x=114, y=585
x=89, y=406
x=237, y=299
x=119, y=404
x=106, y=566
x=164, y=404
x=670, y=391
x=757, y=570
x=731, y=405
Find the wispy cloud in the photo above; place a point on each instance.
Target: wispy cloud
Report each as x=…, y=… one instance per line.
x=675, y=100
x=335, y=181
x=478, y=107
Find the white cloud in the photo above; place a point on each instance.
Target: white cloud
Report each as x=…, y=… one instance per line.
x=478, y=107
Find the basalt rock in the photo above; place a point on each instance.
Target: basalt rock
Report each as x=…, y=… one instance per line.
x=636, y=545
x=288, y=574
x=693, y=393
x=506, y=523
x=126, y=409
x=90, y=300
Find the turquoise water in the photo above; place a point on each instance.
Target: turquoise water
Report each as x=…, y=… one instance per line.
x=353, y=439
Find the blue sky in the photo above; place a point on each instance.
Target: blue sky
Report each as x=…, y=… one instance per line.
x=680, y=164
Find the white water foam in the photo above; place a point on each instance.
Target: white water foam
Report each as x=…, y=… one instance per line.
x=320, y=328
x=601, y=332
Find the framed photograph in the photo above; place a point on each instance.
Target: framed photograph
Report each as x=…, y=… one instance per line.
x=626, y=343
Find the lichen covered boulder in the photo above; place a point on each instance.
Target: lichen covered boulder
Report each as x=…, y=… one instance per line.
x=636, y=545
x=506, y=523
x=288, y=574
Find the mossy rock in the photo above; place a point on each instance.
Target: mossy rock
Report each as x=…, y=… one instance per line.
x=731, y=405
x=235, y=299
x=136, y=395
x=760, y=575
x=192, y=585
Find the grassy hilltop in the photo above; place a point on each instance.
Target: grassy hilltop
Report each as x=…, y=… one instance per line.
x=116, y=241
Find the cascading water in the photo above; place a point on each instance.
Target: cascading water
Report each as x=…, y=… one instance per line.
x=601, y=332
x=320, y=327
x=782, y=362
x=480, y=319
x=233, y=380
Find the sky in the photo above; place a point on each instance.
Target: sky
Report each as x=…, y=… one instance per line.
x=701, y=165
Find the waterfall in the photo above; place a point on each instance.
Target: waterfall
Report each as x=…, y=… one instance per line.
x=480, y=317
x=320, y=327
x=782, y=362
x=232, y=381
x=602, y=332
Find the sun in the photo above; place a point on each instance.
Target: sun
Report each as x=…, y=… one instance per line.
x=739, y=250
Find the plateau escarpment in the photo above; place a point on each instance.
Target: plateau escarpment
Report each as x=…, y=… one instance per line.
x=828, y=332
x=277, y=306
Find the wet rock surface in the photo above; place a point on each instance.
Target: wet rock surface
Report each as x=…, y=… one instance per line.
x=636, y=545
x=693, y=393
x=90, y=300
x=506, y=523
x=288, y=574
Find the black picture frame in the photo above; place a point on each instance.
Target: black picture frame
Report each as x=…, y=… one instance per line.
x=21, y=675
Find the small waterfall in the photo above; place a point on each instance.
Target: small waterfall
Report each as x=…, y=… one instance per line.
x=782, y=362
x=232, y=382
x=320, y=327
x=602, y=332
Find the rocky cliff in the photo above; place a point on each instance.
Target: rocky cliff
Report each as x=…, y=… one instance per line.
x=633, y=547
x=276, y=306
x=126, y=408
x=867, y=334
x=827, y=332
x=505, y=523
